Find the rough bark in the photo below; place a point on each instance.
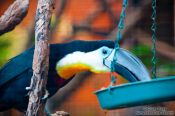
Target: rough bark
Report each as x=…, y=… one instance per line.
x=41, y=59
x=13, y=15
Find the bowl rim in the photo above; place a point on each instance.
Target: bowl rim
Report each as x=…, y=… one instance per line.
x=156, y=80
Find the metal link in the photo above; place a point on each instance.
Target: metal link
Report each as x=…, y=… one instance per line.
x=154, y=38
x=118, y=38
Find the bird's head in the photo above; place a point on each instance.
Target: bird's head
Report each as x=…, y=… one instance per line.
x=78, y=61
x=97, y=57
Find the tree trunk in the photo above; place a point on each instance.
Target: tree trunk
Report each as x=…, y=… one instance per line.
x=41, y=59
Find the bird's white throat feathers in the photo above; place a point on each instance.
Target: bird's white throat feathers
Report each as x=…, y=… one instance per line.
x=77, y=61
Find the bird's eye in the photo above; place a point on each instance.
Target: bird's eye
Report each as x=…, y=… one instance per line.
x=104, y=51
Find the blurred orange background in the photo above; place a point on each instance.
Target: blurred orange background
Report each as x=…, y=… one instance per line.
x=79, y=19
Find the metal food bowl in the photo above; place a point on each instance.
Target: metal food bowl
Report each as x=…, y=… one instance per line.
x=137, y=93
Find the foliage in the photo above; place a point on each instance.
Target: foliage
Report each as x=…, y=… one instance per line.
x=12, y=43
x=164, y=66
x=4, y=49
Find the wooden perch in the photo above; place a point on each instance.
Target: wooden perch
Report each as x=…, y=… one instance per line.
x=13, y=15
x=63, y=93
x=38, y=92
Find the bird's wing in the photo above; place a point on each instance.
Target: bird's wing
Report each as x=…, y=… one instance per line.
x=16, y=66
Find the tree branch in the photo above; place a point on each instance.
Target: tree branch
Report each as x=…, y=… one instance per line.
x=63, y=93
x=162, y=48
x=130, y=20
x=13, y=15
x=41, y=59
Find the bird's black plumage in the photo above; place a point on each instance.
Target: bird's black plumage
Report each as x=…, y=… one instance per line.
x=16, y=74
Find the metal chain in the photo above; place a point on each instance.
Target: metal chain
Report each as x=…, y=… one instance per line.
x=118, y=38
x=154, y=38
x=121, y=22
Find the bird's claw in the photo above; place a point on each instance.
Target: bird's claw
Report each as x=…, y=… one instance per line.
x=60, y=113
x=28, y=88
x=46, y=95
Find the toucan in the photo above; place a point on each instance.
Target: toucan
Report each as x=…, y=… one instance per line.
x=65, y=61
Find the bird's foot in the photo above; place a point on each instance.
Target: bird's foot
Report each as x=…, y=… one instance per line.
x=46, y=95
x=60, y=113
x=28, y=88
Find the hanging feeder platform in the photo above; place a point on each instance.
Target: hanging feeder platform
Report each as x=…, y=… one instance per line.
x=137, y=93
x=142, y=90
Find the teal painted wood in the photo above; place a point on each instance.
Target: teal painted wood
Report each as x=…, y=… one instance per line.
x=137, y=93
